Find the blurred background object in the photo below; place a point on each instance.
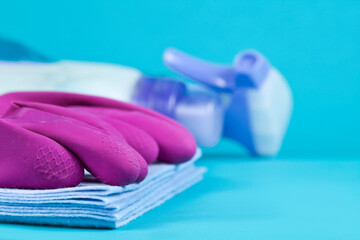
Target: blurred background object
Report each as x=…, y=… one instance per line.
x=249, y=102
x=258, y=103
x=14, y=51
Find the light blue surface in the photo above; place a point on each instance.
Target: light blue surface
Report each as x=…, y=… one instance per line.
x=312, y=190
x=244, y=199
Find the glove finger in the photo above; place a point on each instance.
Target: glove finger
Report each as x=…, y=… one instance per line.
x=109, y=159
x=20, y=110
x=176, y=144
x=30, y=160
x=173, y=148
x=136, y=138
x=73, y=99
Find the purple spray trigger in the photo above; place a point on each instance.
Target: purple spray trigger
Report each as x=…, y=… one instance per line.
x=249, y=69
x=260, y=104
x=97, y=144
x=30, y=160
x=176, y=143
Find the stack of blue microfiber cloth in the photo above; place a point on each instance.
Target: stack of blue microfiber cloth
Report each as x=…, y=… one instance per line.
x=93, y=204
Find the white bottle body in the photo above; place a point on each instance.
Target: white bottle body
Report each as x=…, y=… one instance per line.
x=103, y=79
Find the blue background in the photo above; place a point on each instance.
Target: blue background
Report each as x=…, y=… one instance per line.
x=312, y=188
x=315, y=44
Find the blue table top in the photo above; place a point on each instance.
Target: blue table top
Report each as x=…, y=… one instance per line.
x=243, y=198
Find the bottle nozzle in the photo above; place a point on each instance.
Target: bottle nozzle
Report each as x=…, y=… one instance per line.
x=248, y=70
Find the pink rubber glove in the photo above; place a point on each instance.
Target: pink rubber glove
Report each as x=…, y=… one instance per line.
x=113, y=140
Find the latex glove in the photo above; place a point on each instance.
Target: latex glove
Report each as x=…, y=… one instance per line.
x=113, y=140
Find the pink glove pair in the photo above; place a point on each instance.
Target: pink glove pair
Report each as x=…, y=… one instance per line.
x=47, y=138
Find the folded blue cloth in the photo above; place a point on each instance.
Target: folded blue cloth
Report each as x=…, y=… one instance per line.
x=93, y=204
